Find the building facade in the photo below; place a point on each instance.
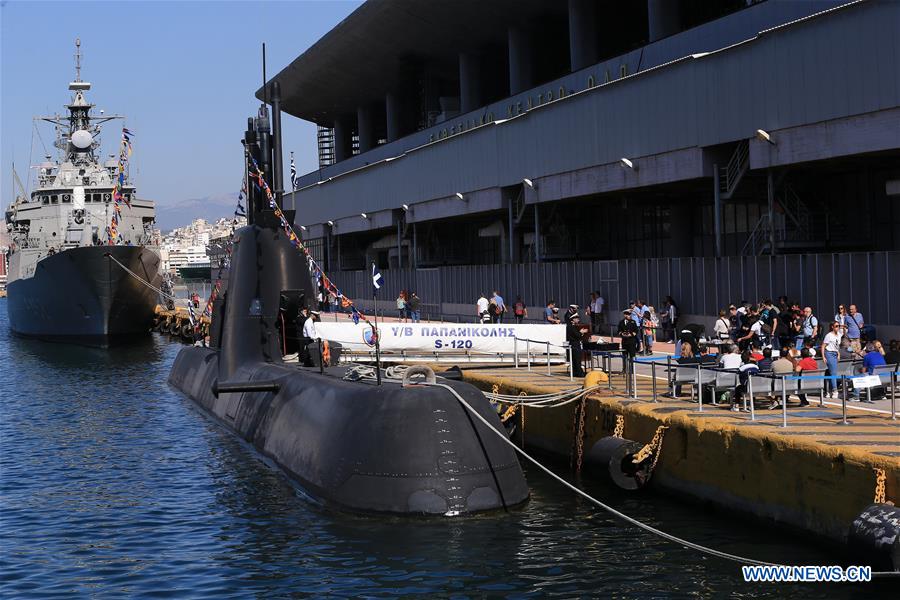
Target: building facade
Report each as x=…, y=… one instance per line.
x=487, y=133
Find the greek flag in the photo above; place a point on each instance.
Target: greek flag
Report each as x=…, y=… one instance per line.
x=377, y=280
x=293, y=173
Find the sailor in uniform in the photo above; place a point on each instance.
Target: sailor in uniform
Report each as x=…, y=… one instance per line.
x=628, y=331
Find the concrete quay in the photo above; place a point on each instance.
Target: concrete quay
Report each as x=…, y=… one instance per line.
x=816, y=474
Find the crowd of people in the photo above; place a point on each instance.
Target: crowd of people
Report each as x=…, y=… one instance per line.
x=782, y=338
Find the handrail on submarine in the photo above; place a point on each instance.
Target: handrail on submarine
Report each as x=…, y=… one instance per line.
x=239, y=387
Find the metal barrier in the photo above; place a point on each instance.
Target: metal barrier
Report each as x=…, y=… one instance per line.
x=716, y=378
x=567, y=347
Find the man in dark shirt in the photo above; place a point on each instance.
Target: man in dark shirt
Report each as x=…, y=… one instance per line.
x=575, y=335
x=765, y=364
x=628, y=331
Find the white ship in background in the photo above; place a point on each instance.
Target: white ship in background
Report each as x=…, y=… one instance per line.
x=82, y=266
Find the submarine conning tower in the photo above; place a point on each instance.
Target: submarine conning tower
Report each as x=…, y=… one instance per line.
x=264, y=266
x=357, y=445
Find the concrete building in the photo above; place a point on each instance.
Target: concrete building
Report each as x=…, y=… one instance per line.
x=517, y=133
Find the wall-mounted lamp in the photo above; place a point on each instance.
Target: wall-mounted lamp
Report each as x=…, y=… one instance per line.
x=405, y=207
x=628, y=164
x=364, y=215
x=330, y=223
x=764, y=136
x=528, y=182
x=302, y=228
x=460, y=196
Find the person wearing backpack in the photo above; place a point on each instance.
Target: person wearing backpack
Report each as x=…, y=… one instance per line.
x=520, y=311
x=810, y=325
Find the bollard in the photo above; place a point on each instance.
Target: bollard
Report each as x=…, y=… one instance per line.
x=634, y=379
x=699, y=388
x=608, y=360
x=750, y=393
x=893, y=395
x=528, y=352
x=784, y=401
x=653, y=375
x=669, y=377
x=516, y=351
x=571, y=367
x=844, y=420
x=548, y=358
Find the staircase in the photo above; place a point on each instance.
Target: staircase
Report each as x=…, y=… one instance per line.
x=796, y=227
x=731, y=174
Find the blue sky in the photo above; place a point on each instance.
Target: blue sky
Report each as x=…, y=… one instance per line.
x=183, y=73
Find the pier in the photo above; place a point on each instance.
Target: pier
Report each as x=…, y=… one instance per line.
x=817, y=474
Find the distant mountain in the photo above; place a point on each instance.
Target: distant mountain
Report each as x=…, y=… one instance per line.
x=182, y=212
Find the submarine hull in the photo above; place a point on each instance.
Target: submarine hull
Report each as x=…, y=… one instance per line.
x=363, y=447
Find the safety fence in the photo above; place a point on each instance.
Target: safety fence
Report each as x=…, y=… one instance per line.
x=708, y=378
x=700, y=286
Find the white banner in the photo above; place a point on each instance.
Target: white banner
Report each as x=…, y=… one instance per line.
x=430, y=338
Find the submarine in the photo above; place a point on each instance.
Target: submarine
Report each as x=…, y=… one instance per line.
x=366, y=445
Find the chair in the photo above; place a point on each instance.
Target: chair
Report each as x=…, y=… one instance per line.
x=814, y=384
x=724, y=380
x=759, y=385
x=888, y=374
x=686, y=375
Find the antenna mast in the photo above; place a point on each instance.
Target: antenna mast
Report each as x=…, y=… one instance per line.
x=77, y=59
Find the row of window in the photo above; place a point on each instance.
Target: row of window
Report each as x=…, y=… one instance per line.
x=67, y=198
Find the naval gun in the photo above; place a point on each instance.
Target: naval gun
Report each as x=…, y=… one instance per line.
x=363, y=445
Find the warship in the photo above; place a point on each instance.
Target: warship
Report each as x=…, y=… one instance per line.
x=352, y=437
x=82, y=267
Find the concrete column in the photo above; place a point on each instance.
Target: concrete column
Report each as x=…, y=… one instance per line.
x=664, y=18
x=343, y=138
x=469, y=82
x=583, y=34
x=521, y=69
x=770, y=196
x=366, y=128
x=717, y=211
x=393, y=116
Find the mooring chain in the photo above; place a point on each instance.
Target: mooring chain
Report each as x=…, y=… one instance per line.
x=508, y=413
x=522, y=395
x=654, y=448
x=880, y=477
x=620, y=426
x=580, y=439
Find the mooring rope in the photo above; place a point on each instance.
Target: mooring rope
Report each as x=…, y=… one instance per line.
x=613, y=511
x=142, y=280
x=366, y=372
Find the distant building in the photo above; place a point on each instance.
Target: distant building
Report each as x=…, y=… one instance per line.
x=187, y=247
x=517, y=131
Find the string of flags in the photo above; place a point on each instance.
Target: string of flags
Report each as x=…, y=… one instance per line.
x=293, y=173
x=112, y=231
x=239, y=211
x=315, y=270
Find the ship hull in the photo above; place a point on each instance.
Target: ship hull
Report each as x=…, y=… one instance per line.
x=82, y=296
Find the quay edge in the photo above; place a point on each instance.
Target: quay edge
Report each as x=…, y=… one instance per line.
x=770, y=475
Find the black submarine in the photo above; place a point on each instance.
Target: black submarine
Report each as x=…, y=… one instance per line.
x=370, y=446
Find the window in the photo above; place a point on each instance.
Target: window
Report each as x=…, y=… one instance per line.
x=45, y=199
x=54, y=199
x=67, y=198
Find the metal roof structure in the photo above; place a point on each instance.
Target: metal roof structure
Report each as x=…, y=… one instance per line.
x=359, y=60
